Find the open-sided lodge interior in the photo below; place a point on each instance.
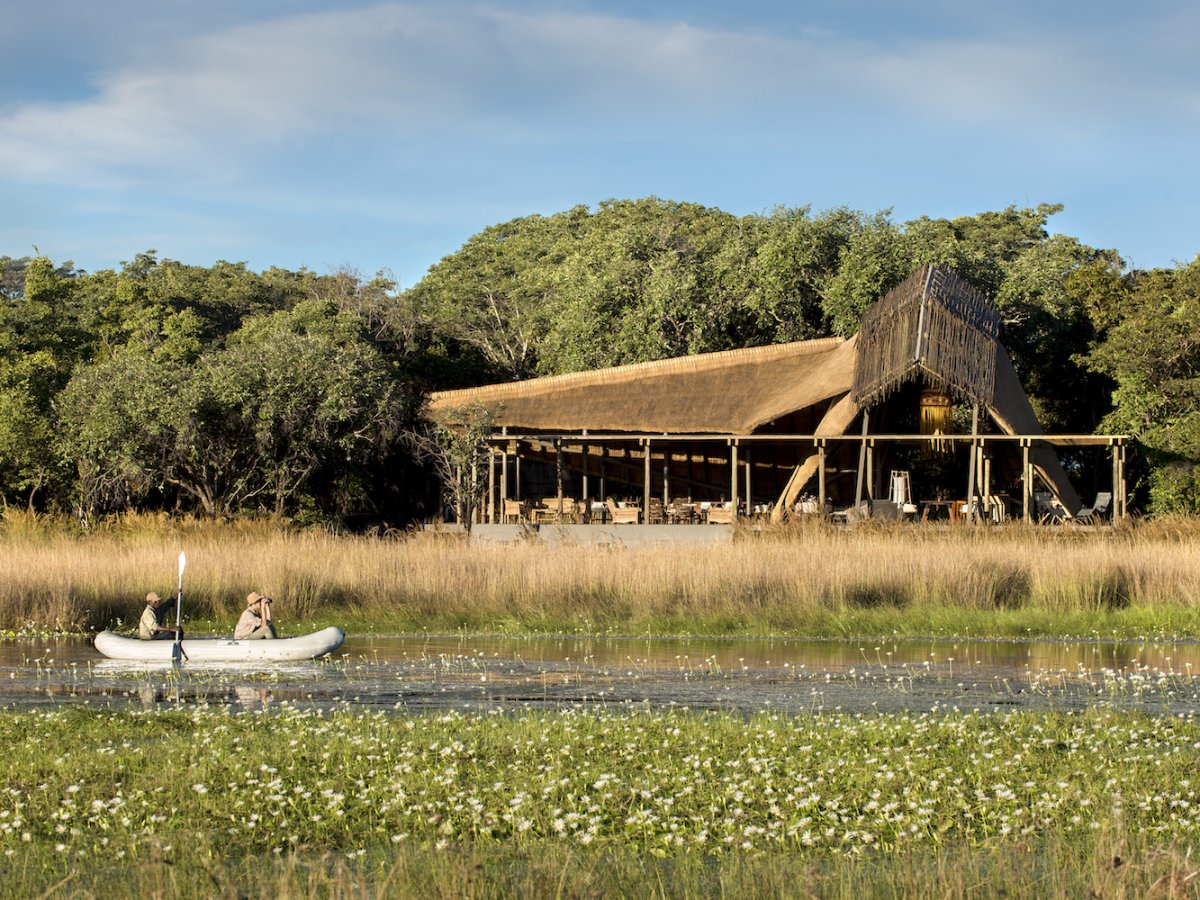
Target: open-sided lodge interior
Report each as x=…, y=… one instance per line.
x=921, y=414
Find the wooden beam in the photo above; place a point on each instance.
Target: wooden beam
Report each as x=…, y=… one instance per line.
x=872, y=490
x=862, y=461
x=666, y=472
x=1120, y=499
x=491, y=507
x=586, y=454
x=972, y=463
x=821, y=476
x=1055, y=440
x=749, y=466
x=503, y=481
x=558, y=473
x=646, y=484
x=733, y=477
x=1026, y=484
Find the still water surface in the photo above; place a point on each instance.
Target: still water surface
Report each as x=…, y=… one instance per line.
x=415, y=673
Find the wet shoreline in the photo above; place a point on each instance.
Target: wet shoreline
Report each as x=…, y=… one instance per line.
x=411, y=674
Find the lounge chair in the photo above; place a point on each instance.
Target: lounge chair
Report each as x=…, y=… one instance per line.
x=1049, y=510
x=623, y=515
x=1098, y=508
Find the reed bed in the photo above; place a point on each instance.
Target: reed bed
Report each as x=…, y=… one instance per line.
x=817, y=580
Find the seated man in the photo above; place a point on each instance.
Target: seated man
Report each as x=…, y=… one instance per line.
x=150, y=626
x=255, y=623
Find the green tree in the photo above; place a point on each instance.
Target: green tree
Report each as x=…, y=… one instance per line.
x=249, y=425
x=117, y=422
x=457, y=455
x=40, y=338
x=307, y=389
x=874, y=259
x=28, y=383
x=1152, y=352
x=494, y=294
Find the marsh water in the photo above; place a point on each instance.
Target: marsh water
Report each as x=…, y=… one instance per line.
x=416, y=673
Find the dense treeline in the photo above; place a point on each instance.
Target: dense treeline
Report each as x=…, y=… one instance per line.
x=221, y=390
x=216, y=390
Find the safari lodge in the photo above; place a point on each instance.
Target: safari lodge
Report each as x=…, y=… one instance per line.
x=921, y=415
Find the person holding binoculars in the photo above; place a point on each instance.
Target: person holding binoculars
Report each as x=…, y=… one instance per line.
x=255, y=623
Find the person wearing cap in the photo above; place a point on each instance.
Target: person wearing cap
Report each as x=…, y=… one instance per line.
x=150, y=626
x=255, y=623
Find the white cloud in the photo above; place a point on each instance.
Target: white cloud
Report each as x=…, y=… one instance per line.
x=216, y=106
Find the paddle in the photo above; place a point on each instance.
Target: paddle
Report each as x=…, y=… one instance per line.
x=177, y=654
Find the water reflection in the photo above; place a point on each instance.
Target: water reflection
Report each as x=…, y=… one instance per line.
x=825, y=655
x=438, y=672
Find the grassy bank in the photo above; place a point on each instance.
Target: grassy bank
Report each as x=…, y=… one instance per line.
x=813, y=580
x=209, y=803
x=1112, y=868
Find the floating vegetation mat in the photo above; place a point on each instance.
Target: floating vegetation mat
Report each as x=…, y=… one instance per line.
x=81, y=785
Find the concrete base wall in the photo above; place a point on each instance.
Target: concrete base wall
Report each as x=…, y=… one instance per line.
x=604, y=535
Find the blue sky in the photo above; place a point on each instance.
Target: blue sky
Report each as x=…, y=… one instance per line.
x=380, y=136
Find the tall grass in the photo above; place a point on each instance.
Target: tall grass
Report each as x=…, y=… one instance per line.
x=803, y=579
x=1043, y=870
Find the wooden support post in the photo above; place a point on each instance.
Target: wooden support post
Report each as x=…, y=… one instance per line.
x=491, y=506
x=503, y=482
x=872, y=492
x=666, y=474
x=1119, y=509
x=862, y=462
x=586, y=494
x=733, y=477
x=821, y=477
x=472, y=485
x=518, y=453
x=749, y=495
x=558, y=473
x=986, y=481
x=1026, y=483
x=646, y=484
x=603, y=474
x=1124, y=495
x=972, y=462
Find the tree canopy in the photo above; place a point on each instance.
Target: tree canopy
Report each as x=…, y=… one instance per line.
x=223, y=390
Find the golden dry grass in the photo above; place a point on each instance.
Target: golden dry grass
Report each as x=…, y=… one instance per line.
x=819, y=578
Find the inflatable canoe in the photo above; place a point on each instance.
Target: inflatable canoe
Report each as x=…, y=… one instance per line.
x=308, y=646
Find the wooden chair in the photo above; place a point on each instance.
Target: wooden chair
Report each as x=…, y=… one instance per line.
x=574, y=512
x=514, y=511
x=681, y=512
x=623, y=515
x=656, y=514
x=720, y=515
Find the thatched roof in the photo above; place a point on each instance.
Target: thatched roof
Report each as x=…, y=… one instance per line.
x=733, y=392
x=933, y=325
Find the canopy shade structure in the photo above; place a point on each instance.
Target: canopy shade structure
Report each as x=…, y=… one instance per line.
x=933, y=329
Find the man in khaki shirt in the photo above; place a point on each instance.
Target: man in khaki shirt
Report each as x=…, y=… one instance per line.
x=150, y=626
x=255, y=623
